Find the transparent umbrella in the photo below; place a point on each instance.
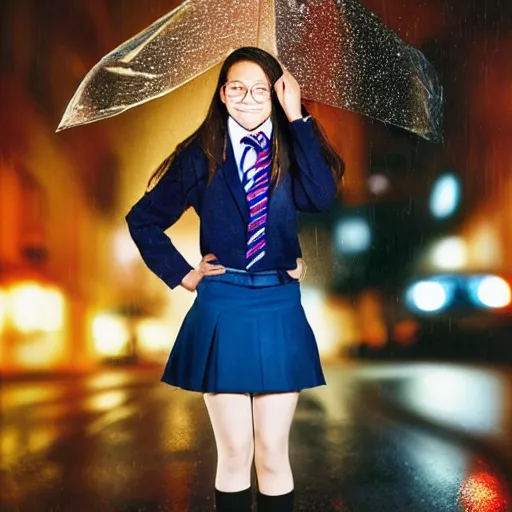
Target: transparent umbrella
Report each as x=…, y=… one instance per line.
x=341, y=54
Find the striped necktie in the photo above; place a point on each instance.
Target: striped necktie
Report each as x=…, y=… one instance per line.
x=256, y=178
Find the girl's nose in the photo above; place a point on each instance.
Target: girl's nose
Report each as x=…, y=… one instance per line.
x=248, y=98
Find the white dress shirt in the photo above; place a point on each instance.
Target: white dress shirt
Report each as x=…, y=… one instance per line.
x=237, y=133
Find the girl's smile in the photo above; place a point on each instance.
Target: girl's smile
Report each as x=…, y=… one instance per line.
x=248, y=111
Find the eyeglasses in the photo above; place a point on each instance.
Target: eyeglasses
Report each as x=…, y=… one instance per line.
x=237, y=91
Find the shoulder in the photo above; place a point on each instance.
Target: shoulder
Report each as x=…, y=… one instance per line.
x=192, y=156
x=189, y=165
x=190, y=150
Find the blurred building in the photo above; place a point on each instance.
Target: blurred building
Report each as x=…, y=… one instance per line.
x=73, y=290
x=55, y=207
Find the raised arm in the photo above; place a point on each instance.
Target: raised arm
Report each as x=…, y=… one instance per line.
x=313, y=184
x=155, y=212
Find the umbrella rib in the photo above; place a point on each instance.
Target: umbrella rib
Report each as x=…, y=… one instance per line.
x=130, y=72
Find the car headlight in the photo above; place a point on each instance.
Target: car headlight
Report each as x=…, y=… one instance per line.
x=430, y=296
x=489, y=291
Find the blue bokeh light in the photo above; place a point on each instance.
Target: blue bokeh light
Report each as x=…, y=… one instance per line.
x=445, y=196
x=353, y=235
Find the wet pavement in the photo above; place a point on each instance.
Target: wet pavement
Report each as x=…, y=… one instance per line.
x=380, y=437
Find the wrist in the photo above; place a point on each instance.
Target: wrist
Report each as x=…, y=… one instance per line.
x=292, y=119
x=191, y=274
x=301, y=118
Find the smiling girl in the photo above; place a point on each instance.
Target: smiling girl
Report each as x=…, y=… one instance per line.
x=245, y=343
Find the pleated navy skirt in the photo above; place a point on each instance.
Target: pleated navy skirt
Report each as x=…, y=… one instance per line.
x=245, y=333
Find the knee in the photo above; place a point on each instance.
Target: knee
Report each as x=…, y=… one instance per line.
x=237, y=456
x=271, y=455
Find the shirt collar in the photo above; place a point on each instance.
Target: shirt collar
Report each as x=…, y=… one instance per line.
x=237, y=132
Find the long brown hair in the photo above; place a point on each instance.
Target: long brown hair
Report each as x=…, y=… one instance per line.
x=212, y=134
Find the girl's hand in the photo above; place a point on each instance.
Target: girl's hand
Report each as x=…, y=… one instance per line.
x=297, y=272
x=191, y=280
x=288, y=93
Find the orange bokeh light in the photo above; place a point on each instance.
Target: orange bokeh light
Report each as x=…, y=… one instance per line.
x=483, y=492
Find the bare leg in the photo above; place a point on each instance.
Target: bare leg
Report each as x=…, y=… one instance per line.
x=273, y=415
x=231, y=419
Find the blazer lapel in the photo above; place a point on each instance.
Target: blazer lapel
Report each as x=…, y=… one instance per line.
x=230, y=170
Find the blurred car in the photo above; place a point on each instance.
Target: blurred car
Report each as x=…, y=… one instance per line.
x=461, y=314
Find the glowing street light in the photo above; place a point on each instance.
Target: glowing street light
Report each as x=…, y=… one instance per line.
x=353, y=235
x=445, y=196
x=449, y=253
x=111, y=335
x=33, y=307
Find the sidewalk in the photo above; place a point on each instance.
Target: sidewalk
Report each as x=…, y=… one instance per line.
x=469, y=404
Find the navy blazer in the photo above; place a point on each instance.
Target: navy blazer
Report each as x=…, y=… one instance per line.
x=309, y=186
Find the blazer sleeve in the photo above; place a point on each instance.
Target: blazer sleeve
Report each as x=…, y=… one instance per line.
x=156, y=211
x=313, y=184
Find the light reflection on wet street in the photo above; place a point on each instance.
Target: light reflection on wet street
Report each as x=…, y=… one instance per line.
x=122, y=441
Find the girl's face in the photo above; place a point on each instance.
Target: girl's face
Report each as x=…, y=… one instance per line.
x=244, y=77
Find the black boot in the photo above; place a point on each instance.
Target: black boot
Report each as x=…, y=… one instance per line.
x=281, y=503
x=239, y=501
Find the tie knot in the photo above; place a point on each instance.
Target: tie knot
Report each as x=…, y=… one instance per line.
x=259, y=141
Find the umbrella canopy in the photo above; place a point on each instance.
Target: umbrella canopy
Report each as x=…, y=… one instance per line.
x=341, y=54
